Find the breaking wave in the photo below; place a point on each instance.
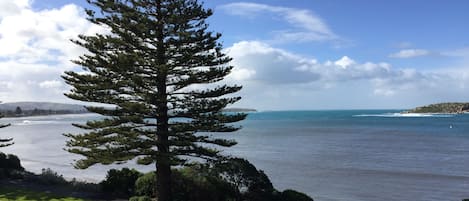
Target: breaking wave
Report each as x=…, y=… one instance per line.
x=404, y=115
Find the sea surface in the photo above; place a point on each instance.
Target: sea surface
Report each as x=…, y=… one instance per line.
x=346, y=155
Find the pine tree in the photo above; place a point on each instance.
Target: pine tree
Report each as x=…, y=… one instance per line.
x=158, y=70
x=5, y=142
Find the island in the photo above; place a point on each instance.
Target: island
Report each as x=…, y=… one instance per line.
x=446, y=108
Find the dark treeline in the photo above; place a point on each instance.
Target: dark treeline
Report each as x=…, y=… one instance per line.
x=36, y=112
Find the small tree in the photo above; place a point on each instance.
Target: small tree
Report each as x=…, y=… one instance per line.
x=18, y=110
x=151, y=69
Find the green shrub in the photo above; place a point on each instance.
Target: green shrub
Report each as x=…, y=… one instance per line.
x=51, y=177
x=84, y=186
x=195, y=184
x=10, y=162
x=145, y=185
x=232, y=179
x=140, y=198
x=252, y=184
x=120, y=182
x=292, y=195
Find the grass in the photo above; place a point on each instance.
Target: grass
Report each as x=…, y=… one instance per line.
x=28, y=195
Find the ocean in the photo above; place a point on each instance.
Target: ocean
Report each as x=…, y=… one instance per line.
x=336, y=155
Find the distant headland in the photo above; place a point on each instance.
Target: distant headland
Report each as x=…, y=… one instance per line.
x=447, y=108
x=22, y=109
x=239, y=110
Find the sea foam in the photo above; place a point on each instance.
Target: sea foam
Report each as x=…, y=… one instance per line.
x=404, y=115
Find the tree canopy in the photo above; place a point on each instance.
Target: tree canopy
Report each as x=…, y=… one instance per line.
x=159, y=70
x=4, y=142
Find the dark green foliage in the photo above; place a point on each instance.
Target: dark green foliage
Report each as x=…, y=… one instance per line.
x=120, y=182
x=232, y=179
x=194, y=184
x=189, y=184
x=253, y=184
x=10, y=161
x=51, y=177
x=146, y=70
x=5, y=142
x=145, y=185
x=291, y=195
x=442, y=108
x=140, y=198
x=10, y=166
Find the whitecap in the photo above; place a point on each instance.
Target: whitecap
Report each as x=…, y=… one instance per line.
x=30, y=122
x=404, y=115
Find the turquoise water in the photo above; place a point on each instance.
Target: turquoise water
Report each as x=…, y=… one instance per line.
x=330, y=155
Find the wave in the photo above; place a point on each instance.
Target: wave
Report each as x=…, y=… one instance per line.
x=404, y=115
x=30, y=122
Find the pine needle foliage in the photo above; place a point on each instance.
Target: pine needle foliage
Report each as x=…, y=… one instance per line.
x=5, y=142
x=159, y=70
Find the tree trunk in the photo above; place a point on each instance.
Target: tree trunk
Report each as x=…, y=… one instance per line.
x=163, y=164
x=163, y=180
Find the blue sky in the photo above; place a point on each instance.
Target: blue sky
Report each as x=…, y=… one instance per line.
x=292, y=54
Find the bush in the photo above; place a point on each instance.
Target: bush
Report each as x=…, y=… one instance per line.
x=140, y=198
x=10, y=166
x=195, y=184
x=120, y=182
x=51, y=177
x=252, y=184
x=189, y=184
x=145, y=185
x=84, y=186
x=10, y=162
x=291, y=195
x=232, y=179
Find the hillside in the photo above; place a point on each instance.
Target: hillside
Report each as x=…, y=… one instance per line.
x=452, y=108
x=239, y=110
x=39, y=108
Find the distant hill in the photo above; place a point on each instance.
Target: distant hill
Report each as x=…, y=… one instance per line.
x=239, y=110
x=39, y=108
x=453, y=108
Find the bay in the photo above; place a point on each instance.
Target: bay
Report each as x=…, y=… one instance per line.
x=330, y=155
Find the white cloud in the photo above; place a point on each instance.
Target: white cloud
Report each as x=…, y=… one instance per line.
x=463, y=52
x=35, y=49
x=305, y=25
x=287, y=80
x=11, y=7
x=261, y=62
x=50, y=84
x=344, y=62
x=410, y=53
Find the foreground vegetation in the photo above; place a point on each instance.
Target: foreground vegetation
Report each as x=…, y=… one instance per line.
x=9, y=193
x=230, y=179
x=448, y=108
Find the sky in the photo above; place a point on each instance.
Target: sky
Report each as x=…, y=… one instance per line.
x=288, y=55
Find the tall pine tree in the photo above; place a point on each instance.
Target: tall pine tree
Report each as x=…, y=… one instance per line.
x=151, y=68
x=5, y=142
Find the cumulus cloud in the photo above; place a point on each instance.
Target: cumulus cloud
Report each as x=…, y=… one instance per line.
x=257, y=61
x=35, y=49
x=344, y=62
x=410, y=53
x=282, y=78
x=305, y=25
x=50, y=84
x=261, y=62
